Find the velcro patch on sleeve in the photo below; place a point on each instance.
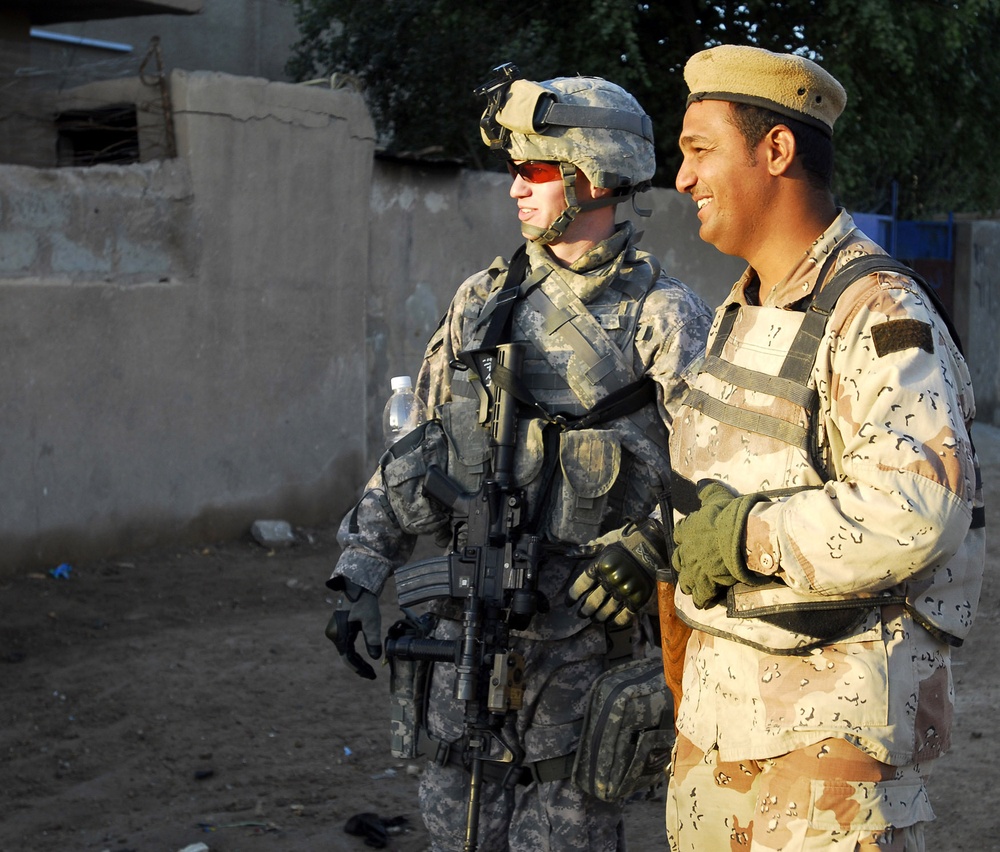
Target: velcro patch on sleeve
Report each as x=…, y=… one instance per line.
x=897, y=335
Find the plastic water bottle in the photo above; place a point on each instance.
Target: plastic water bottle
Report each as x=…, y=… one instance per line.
x=403, y=412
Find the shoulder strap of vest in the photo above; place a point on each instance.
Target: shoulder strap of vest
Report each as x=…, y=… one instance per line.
x=498, y=330
x=802, y=354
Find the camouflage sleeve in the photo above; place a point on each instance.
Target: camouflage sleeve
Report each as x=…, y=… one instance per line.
x=370, y=535
x=373, y=544
x=670, y=336
x=896, y=401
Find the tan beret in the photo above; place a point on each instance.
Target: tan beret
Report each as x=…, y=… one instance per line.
x=790, y=85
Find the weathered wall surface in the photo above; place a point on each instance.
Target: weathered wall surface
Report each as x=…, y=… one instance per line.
x=191, y=344
x=177, y=356
x=977, y=310
x=252, y=38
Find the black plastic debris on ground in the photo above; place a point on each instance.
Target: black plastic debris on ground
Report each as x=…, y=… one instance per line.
x=373, y=828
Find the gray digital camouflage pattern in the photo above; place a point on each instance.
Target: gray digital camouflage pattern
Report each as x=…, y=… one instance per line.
x=652, y=326
x=895, y=407
x=607, y=156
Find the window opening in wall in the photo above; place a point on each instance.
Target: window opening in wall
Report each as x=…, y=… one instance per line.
x=89, y=137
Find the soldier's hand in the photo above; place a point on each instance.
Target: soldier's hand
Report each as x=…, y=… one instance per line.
x=357, y=612
x=709, y=553
x=619, y=578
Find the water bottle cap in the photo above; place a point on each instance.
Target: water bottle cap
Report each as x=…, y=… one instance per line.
x=400, y=382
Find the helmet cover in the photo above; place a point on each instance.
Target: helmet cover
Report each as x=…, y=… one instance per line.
x=587, y=121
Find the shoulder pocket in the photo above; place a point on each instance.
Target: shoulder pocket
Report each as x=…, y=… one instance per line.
x=404, y=467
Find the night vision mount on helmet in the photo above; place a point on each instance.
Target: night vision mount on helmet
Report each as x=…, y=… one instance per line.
x=584, y=123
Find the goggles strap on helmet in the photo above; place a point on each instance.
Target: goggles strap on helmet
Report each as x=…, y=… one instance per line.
x=601, y=118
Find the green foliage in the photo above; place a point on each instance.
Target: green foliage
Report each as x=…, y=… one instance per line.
x=922, y=76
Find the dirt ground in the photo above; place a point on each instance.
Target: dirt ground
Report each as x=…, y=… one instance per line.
x=185, y=697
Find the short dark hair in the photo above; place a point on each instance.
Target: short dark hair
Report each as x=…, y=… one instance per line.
x=814, y=148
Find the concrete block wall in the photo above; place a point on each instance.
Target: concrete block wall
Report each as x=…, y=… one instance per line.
x=178, y=355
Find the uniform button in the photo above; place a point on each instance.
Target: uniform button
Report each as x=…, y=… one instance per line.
x=766, y=561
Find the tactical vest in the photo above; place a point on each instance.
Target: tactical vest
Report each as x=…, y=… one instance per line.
x=777, y=406
x=582, y=475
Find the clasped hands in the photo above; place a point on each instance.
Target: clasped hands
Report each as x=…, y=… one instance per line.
x=709, y=545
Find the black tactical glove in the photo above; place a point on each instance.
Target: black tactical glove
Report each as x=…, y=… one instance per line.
x=619, y=579
x=709, y=553
x=357, y=612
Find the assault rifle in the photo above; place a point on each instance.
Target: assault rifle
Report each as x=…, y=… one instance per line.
x=493, y=566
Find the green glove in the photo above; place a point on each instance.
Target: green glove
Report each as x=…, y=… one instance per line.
x=621, y=575
x=708, y=556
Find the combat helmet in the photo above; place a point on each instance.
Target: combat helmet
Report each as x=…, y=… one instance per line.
x=584, y=123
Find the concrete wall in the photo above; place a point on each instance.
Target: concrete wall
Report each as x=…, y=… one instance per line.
x=177, y=357
x=977, y=310
x=192, y=344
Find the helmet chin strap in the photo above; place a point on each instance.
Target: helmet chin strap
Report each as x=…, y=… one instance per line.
x=544, y=236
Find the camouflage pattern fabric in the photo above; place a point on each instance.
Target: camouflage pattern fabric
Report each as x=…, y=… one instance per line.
x=893, y=421
x=825, y=796
x=658, y=325
x=544, y=817
x=607, y=156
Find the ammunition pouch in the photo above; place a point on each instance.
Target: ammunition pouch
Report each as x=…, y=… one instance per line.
x=820, y=618
x=775, y=618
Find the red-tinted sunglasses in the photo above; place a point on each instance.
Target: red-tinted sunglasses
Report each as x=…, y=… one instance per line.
x=535, y=171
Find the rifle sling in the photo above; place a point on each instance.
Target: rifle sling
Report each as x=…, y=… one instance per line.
x=619, y=403
x=499, y=312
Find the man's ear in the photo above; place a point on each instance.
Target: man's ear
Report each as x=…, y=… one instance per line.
x=779, y=148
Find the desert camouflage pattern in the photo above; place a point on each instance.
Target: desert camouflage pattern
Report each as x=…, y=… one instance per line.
x=894, y=519
x=824, y=796
x=657, y=327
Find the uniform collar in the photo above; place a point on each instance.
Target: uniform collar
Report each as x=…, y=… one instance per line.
x=803, y=277
x=591, y=273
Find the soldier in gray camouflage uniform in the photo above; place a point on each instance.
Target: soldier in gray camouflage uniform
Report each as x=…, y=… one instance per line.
x=833, y=551
x=597, y=314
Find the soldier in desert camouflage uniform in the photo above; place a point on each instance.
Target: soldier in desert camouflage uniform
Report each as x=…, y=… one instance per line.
x=597, y=315
x=834, y=550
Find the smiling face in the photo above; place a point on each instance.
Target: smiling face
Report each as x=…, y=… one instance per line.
x=731, y=187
